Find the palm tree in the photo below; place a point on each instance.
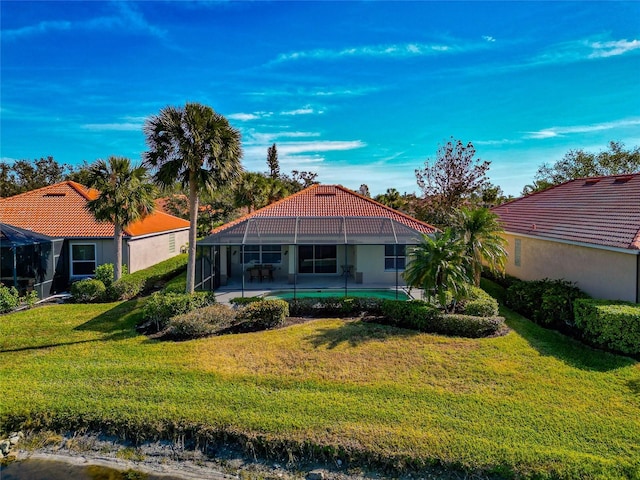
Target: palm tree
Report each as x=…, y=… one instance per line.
x=197, y=147
x=481, y=233
x=125, y=196
x=438, y=266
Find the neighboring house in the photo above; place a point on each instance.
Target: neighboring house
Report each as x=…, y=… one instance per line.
x=586, y=231
x=59, y=211
x=322, y=232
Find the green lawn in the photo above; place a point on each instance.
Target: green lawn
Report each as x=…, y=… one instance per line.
x=531, y=403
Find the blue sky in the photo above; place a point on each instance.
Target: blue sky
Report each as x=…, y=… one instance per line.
x=359, y=92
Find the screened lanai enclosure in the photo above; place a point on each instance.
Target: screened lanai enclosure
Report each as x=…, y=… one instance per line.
x=28, y=260
x=305, y=252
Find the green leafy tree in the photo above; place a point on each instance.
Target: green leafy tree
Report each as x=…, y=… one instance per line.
x=199, y=148
x=580, y=164
x=252, y=191
x=125, y=196
x=438, y=267
x=25, y=175
x=451, y=180
x=481, y=233
x=392, y=199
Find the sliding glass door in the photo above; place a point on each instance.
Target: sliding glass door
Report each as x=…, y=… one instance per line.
x=317, y=259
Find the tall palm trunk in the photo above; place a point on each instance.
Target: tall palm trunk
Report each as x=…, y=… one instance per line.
x=117, y=237
x=193, y=229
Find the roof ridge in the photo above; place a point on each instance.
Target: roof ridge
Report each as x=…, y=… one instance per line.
x=246, y=216
x=81, y=189
x=31, y=192
x=386, y=207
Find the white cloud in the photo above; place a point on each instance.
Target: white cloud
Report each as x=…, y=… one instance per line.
x=376, y=51
x=121, y=127
x=290, y=148
x=611, y=49
x=552, y=132
x=260, y=138
x=488, y=38
x=301, y=111
x=243, y=117
x=579, y=50
x=127, y=18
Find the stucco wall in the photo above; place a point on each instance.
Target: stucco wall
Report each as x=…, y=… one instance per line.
x=147, y=251
x=370, y=263
x=601, y=273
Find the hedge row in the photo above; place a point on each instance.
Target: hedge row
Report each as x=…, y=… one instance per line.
x=609, y=324
x=129, y=285
x=418, y=315
x=546, y=302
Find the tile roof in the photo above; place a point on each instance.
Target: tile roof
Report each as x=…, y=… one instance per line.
x=600, y=210
x=59, y=211
x=330, y=201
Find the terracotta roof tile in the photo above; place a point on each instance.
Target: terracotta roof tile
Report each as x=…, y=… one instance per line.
x=330, y=201
x=59, y=211
x=601, y=210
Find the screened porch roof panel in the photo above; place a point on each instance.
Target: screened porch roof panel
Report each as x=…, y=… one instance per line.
x=306, y=230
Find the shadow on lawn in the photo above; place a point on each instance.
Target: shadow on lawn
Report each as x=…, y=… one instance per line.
x=355, y=333
x=118, y=323
x=121, y=318
x=568, y=350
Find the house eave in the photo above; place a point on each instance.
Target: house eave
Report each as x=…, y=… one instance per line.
x=577, y=244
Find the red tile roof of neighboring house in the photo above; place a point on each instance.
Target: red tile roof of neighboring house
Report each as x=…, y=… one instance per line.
x=600, y=210
x=330, y=201
x=59, y=211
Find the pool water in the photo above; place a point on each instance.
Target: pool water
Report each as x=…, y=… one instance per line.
x=367, y=293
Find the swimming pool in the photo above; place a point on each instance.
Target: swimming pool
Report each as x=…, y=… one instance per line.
x=369, y=293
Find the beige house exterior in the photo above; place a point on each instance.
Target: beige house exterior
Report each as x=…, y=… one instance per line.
x=586, y=231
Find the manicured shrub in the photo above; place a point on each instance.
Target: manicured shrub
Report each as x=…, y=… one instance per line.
x=142, y=281
x=610, y=324
x=126, y=287
x=478, y=303
x=88, y=290
x=546, y=302
x=264, y=314
x=160, y=307
x=418, y=315
x=415, y=315
x=504, y=280
x=105, y=272
x=9, y=298
x=334, y=306
x=201, y=322
x=239, y=301
x=467, y=325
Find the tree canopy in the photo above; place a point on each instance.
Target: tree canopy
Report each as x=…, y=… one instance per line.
x=451, y=180
x=575, y=164
x=197, y=147
x=126, y=195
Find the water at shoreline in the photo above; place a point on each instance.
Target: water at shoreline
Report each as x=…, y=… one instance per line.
x=37, y=469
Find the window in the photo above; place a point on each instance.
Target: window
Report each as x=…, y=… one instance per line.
x=517, y=252
x=83, y=259
x=395, y=257
x=262, y=254
x=317, y=259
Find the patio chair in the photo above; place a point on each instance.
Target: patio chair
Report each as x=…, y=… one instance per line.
x=266, y=274
x=254, y=273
